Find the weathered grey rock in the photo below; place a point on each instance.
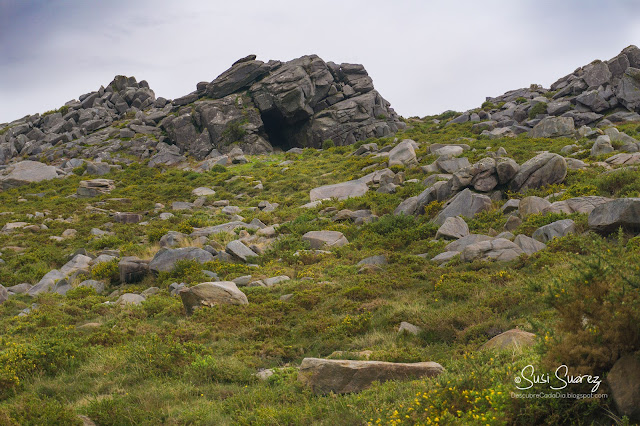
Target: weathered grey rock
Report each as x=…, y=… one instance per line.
x=463, y=242
x=511, y=205
x=444, y=257
x=26, y=172
x=270, y=282
x=465, y=203
x=325, y=239
x=594, y=100
x=239, y=250
x=406, y=327
x=403, y=154
x=557, y=229
x=132, y=269
x=98, y=286
x=341, y=376
x=512, y=223
x=498, y=249
x=611, y=215
x=453, y=228
x=558, y=107
x=532, y=205
x=4, y=294
x=449, y=164
x=406, y=207
x=47, y=283
x=130, y=299
x=172, y=239
x=602, y=145
x=373, y=260
x=576, y=205
x=542, y=170
x=511, y=339
x=240, y=75
x=506, y=168
x=553, y=127
x=20, y=288
x=165, y=259
x=203, y=192
x=528, y=245
x=624, y=382
x=98, y=169
x=625, y=159
x=210, y=294
x=628, y=91
x=94, y=187
x=127, y=218
x=341, y=191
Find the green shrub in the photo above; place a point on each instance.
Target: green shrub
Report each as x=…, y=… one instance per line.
x=328, y=144
x=106, y=270
x=539, y=108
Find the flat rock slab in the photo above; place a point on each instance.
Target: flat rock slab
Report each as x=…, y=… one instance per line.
x=210, y=294
x=341, y=191
x=203, y=192
x=342, y=376
x=325, y=239
x=26, y=172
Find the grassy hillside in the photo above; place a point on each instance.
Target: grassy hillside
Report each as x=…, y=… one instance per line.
x=151, y=364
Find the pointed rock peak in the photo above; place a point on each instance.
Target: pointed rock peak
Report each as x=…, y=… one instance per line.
x=245, y=59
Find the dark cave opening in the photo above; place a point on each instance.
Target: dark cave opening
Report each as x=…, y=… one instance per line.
x=278, y=130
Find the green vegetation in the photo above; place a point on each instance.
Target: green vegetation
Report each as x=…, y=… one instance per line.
x=151, y=364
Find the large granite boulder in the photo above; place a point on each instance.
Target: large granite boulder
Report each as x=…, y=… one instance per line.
x=465, y=203
x=166, y=259
x=553, y=127
x=210, y=294
x=583, y=205
x=542, y=170
x=624, y=382
x=324, y=376
x=26, y=172
x=403, y=154
x=4, y=294
x=611, y=215
x=498, y=249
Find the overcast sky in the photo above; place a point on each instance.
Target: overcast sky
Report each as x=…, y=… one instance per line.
x=424, y=56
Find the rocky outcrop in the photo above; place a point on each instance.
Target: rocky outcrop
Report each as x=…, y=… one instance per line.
x=324, y=376
x=581, y=98
x=253, y=106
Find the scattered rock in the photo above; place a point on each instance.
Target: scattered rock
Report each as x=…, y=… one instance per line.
x=26, y=172
x=340, y=191
x=130, y=299
x=557, y=229
x=409, y=328
x=95, y=187
x=608, y=216
x=132, y=269
x=465, y=203
x=403, y=154
x=238, y=249
x=325, y=239
x=210, y=294
x=165, y=259
x=498, y=249
x=510, y=339
x=624, y=382
x=542, y=170
x=528, y=245
x=342, y=376
x=453, y=228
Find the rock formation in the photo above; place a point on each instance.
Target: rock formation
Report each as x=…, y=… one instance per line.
x=254, y=105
